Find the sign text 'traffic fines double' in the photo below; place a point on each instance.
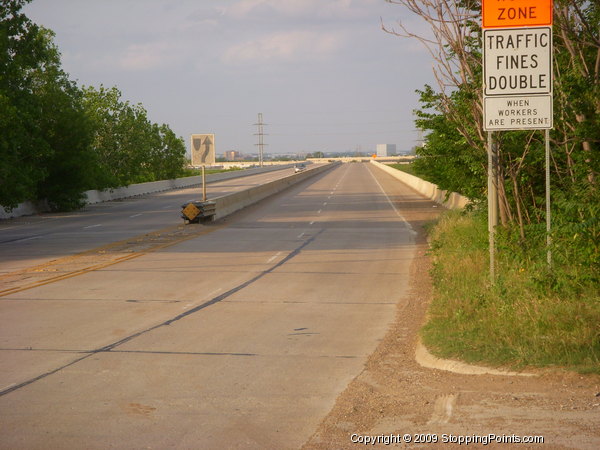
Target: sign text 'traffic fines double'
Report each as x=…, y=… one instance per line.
x=517, y=65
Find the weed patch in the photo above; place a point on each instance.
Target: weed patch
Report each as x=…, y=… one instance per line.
x=531, y=316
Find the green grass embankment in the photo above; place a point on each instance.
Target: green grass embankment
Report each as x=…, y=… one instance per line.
x=531, y=316
x=408, y=168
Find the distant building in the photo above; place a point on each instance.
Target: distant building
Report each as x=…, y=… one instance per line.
x=386, y=149
x=232, y=155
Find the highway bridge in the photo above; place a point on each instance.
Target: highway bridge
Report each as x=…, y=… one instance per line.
x=243, y=333
x=122, y=327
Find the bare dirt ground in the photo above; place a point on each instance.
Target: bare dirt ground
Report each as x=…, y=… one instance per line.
x=395, y=399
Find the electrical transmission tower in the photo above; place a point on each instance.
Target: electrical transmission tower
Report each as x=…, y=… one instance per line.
x=261, y=144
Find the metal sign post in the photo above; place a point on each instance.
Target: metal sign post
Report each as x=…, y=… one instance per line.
x=203, y=153
x=517, y=86
x=203, y=184
x=492, y=203
x=548, y=218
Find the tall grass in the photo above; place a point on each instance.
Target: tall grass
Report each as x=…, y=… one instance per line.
x=531, y=316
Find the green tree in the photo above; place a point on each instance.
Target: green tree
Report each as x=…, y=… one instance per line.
x=454, y=154
x=21, y=144
x=167, y=155
x=70, y=166
x=57, y=140
x=128, y=147
x=113, y=122
x=43, y=133
x=448, y=159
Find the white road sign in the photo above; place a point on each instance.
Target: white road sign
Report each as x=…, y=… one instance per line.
x=517, y=61
x=533, y=112
x=203, y=149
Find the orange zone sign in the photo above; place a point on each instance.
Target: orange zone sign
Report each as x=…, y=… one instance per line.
x=516, y=13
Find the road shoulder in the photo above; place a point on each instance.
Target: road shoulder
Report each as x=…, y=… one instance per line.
x=395, y=395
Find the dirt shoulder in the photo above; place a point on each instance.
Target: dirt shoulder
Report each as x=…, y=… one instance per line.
x=395, y=396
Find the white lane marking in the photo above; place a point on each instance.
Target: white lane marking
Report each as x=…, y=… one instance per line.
x=312, y=222
x=272, y=258
x=9, y=228
x=408, y=226
x=135, y=215
x=325, y=204
x=27, y=239
x=167, y=207
x=93, y=226
x=209, y=296
x=319, y=211
x=300, y=235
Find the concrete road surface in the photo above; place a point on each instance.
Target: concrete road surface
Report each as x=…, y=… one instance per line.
x=30, y=240
x=240, y=338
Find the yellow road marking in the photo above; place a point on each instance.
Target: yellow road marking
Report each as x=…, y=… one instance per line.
x=172, y=235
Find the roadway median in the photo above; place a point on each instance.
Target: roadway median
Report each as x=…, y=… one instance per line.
x=230, y=203
x=133, y=247
x=137, y=189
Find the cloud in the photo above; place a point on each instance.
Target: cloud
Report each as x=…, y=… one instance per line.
x=147, y=56
x=201, y=16
x=299, y=8
x=285, y=47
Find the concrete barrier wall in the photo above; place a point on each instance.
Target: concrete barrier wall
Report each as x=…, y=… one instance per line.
x=231, y=203
x=178, y=183
x=252, y=164
x=24, y=209
x=430, y=190
x=347, y=159
x=133, y=190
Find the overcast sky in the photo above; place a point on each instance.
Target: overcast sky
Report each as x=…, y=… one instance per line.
x=322, y=72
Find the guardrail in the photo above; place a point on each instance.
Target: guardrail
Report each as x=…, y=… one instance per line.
x=450, y=200
x=230, y=203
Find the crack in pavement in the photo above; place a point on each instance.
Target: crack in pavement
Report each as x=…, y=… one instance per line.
x=217, y=299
